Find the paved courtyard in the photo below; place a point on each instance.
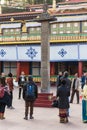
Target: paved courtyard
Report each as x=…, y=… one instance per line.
x=44, y=118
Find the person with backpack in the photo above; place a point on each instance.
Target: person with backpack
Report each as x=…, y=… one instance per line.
x=30, y=93
x=4, y=98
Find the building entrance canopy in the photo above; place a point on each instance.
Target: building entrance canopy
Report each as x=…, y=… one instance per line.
x=64, y=52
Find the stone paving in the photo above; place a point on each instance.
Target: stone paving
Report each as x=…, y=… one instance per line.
x=44, y=118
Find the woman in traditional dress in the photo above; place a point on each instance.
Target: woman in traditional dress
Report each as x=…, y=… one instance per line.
x=63, y=93
x=84, y=103
x=4, y=99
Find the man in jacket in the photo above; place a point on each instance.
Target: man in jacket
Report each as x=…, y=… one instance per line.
x=75, y=88
x=21, y=81
x=29, y=100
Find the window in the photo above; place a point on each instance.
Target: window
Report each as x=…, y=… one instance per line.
x=54, y=32
x=68, y=24
x=61, y=25
x=85, y=23
x=36, y=68
x=85, y=31
x=68, y=32
x=12, y=30
x=75, y=24
x=38, y=29
x=54, y=25
x=61, y=32
x=6, y=30
x=32, y=29
x=76, y=31
x=10, y=67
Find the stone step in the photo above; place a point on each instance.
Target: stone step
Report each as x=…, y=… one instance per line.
x=43, y=105
x=44, y=100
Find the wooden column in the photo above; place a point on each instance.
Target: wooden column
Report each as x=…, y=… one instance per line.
x=80, y=66
x=52, y=68
x=18, y=69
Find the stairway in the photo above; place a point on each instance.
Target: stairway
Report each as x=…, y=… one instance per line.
x=44, y=100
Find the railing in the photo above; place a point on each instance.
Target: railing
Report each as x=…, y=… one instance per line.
x=24, y=37
x=73, y=37
x=37, y=37
x=52, y=78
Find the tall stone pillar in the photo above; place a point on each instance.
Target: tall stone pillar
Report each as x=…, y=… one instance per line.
x=45, y=57
x=45, y=19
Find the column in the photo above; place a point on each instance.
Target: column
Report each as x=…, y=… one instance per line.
x=18, y=69
x=52, y=70
x=80, y=66
x=45, y=55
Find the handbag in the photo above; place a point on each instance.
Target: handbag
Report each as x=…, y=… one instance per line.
x=55, y=103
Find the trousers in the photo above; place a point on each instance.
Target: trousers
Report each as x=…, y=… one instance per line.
x=29, y=105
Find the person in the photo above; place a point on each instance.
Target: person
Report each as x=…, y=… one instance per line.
x=58, y=82
x=63, y=102
x=29, y=100
x=84, y=103
x=11, y=88
x=3, y=78
x=68, y=81
x=75, y=88
x=83, y=79
x=4, y=100
x=22, y=79
x=68, y=84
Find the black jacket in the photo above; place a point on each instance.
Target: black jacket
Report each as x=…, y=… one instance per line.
x=63, y=94
x=6, y=99
x=25, y=89
x=20, y=82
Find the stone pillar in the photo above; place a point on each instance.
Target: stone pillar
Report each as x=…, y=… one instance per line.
x=45, y=57
x=0, y=9
x=80, y=68
x=45, y=18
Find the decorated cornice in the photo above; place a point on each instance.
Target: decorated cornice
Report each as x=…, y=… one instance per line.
x=63, y=9
x=18, y=16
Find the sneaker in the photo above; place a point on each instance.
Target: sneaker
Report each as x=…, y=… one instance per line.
x=26, y=118
x=12, y=107
x=31, y=117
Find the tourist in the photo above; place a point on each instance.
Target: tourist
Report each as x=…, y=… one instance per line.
x=84, y=103
x=63, y=102
x=58, y=82
x=30, y=93
x=21, y=81
x=4, y=99
x=11, y=88
x=75, y=88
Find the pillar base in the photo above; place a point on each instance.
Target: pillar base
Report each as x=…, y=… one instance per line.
x=45, y=90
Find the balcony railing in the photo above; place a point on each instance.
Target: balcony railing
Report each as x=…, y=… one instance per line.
x=37, y=37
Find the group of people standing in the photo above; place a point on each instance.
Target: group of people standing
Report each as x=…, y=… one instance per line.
x=66, y=90
x=6, y=99
x=6, y=83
